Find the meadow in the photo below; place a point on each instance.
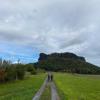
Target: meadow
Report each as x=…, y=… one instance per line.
x=77, y=87
x=21, y=89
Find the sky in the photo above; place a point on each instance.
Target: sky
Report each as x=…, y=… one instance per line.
x=29, y=27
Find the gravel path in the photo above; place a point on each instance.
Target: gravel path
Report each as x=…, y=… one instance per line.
x=54, y=93
x=39, y=93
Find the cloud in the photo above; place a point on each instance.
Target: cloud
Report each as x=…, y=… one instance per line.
x=50, y=26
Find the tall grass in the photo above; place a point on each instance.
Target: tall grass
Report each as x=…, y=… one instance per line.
x=78, y=87
x=21, y=89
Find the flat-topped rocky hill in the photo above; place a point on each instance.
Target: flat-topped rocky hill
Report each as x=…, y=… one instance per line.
x=66, y=55
x=66, y=62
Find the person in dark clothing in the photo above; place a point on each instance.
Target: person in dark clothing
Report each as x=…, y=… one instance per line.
x=48, y=77
x=51, y=77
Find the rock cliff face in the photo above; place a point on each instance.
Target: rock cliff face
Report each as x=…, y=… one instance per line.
x=60, y=56
x=66, y=62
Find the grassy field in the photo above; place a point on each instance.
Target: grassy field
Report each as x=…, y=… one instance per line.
x=78, y=87
x=21, y=90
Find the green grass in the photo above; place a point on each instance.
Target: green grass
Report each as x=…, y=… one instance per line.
x=78, y=87
x=47, y=93
x=21, y=90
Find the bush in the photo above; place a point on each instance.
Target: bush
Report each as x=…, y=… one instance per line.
x=20, y=71
x=10, y=73
x=2, y=75
x=30, y=68
x=33, y=72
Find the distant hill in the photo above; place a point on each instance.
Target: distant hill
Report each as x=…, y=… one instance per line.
x=61, y=56
x=66, y=62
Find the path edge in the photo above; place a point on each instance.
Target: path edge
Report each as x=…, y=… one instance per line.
x=40, y=91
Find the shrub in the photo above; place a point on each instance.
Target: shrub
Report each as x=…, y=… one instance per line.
x=30, y=68
x=10, y=73
x=2, y=75
x=20, y=71
x=33, y=72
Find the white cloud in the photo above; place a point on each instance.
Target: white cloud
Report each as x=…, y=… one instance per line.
x=52, y=25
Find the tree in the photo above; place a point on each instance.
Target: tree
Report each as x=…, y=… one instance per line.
x=10, y=73
x=30, y=68
x=20, y=71
x=2, y=75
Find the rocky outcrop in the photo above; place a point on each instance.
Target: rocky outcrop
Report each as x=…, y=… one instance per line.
x=66, y=62
x=60, y=56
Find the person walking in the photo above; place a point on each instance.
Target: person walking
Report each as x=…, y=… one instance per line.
x=51, y=77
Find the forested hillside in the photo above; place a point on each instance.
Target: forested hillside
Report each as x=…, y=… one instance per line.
x=66, y=62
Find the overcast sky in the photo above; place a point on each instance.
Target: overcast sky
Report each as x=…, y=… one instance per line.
x=28, y=27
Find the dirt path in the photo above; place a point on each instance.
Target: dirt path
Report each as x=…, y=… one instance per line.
x=39, y=93
x=54, y=93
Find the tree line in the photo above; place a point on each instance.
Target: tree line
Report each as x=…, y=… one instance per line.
x=11, y=72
